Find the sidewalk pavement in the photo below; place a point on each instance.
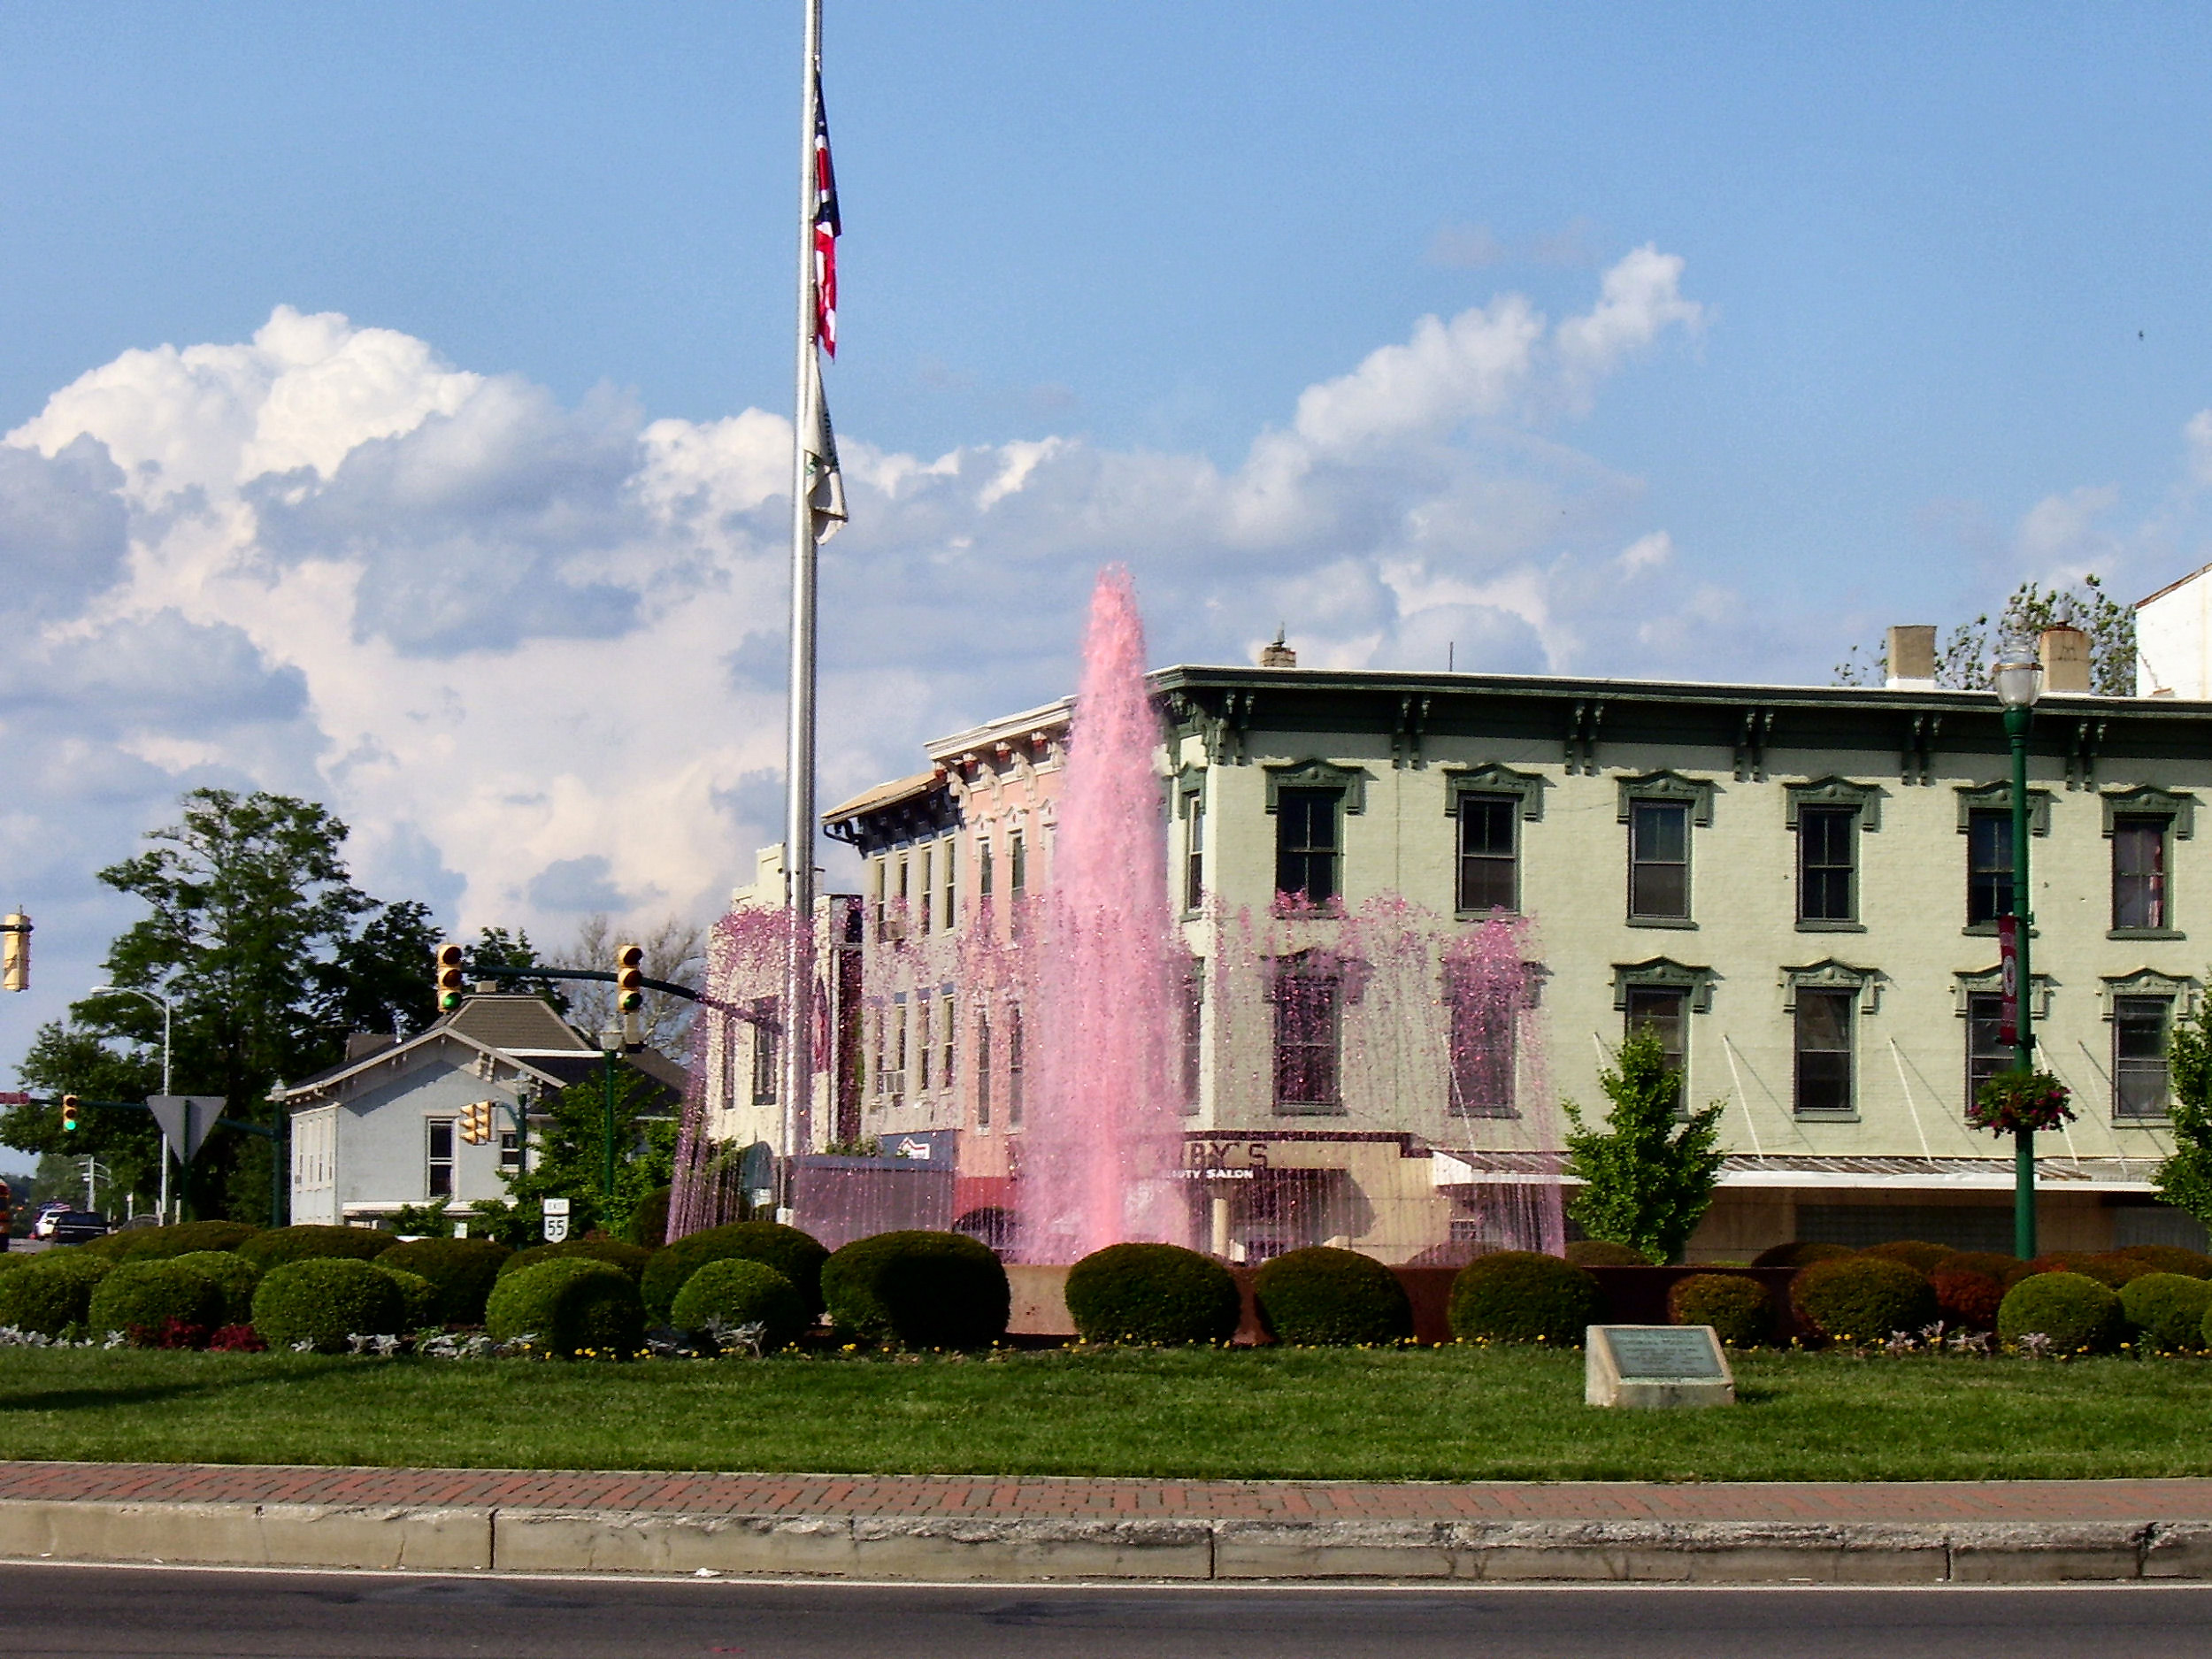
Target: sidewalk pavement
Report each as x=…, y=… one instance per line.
x=955, y=1528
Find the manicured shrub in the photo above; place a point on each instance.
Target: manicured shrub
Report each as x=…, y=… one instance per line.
x=798, y=1256
x=142, y=1299
x=2080, y=1314
x=186, y=1238
x=51, y=1290
x=2078, y=1261
x=1964, y=1297
x=233, y=1277
x=2171, y=1258
x=324, y=1299
x=1921, y=1257
x=2169, y=1309
x=628, y=1257
x=1862, y=1298
x=648, y=1226
x=237, y=1339
x=2120, y=1268
x=1739, y=1309
x=1988, y=1263
x=1521, y=1296
x=308, y=1243
x=1800, y=1254
x=463, y=1270
x=1605, y=1253
x=1325, y=1297
x=735, y=1291
x=1152, y=1293
x=922, y=1289
x=417, y=1297
x=575, y=1305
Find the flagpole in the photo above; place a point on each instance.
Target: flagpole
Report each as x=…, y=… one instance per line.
x=798, y=839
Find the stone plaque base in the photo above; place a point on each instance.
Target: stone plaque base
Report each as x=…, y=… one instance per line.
x=1656, y=1365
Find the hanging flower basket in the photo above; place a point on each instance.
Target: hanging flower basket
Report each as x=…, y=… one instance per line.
x=2014, y=1100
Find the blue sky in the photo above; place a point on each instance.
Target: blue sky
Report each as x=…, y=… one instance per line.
x=1826, y=318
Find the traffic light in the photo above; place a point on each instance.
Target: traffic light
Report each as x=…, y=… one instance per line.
x=476, y=1122
x=15, y=952
x=69, y=1111
x=449, y=977
x=629, y=978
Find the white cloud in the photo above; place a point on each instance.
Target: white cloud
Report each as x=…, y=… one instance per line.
x=532, y=653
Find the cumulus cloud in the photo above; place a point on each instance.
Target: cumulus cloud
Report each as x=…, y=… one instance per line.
x=534, y=653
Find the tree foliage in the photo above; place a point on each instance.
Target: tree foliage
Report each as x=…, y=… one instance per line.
x=675, y=951
x=1649, y=1176
x=2184, y=1178
x=568, y=1159
x=270, y=955
x=1964, y=653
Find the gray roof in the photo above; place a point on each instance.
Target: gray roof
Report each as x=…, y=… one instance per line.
x=514, y=1022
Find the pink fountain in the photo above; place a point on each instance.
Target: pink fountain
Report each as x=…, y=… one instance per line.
x=1103, y=1142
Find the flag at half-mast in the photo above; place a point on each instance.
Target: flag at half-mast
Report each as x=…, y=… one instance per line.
x=825, y=487
x=826, y=228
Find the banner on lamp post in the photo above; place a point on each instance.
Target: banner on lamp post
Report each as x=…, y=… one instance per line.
x=2009, y=980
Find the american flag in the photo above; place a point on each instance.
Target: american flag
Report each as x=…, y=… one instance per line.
x=826, y=227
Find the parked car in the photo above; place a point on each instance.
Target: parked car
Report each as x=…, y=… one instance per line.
x=70, y=1227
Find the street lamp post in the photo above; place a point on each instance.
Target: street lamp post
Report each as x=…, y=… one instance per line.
x=167, y=1010
x=2018, y=678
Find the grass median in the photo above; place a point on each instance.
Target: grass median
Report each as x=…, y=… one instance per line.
x=1447, y=1414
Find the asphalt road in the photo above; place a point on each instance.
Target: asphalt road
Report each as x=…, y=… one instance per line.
x=101, y=1611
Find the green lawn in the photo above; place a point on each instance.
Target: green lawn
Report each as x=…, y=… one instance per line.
x=1439, y=1414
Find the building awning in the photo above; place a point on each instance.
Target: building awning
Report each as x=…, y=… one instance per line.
x=1900, y=1174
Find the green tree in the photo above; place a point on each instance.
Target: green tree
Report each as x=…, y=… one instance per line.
x=496, y=948
x=1964, y=653
x=270, y=954
x=568, y=1159
x=1649, y=1176
x=2184, y=1178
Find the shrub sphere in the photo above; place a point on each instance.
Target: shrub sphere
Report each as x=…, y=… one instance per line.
x=463, y=1270
x=2168, y=1309
x=575, y=1305
x=920, y=1289
x=1862, y=1298
x=51, y=1290
x=1605, y=1253
x=1740, y=1309
x=736, y=1291
x=1522, y=1297
x=1325, y=1297
x=1965, y=1297
x=312, y=1242
x=141, y=1298
x=321, y=1301
x=2080, y=1314
x=1800, y=1254
x=186, y=1238
x=1152, y=1293
x=231, y=1274
x=628, y=1257
x=798, y=1256
x=1921, y=1257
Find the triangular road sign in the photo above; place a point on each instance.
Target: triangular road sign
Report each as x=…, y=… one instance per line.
x=185, y=1119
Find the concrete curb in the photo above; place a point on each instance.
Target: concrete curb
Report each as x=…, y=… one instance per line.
x=953, y=1549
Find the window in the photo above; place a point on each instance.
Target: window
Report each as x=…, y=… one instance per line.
x=983, y=865
x=510, y=1152
x=767, y=1062
x=1193, y=1028
x=2139, y=873
x=1483, y=1049
x=1489, y=862
x=1195, y=854
x=1017, y=864
x=947, y=1015
x=439, y=1179
x=928, y=892
x=1659, y=861
x=1305, y=843
x=1308, y=1032
x=952, y=884
x=924, y=1046
x=1826, y=861
x=880, y=878
x=1662, y=1011
x=1988, y=867
x=2138, y=1055
x=882, y=1021
x=983, y=1070
x=898, y=1047
x=1986, y=1054
x=899, y=917
x=1014, y=1068
x=1823, y=1053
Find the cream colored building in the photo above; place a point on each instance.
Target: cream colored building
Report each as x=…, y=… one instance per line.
x=1795, y=884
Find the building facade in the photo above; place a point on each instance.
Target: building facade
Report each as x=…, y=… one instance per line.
x=1795, y=888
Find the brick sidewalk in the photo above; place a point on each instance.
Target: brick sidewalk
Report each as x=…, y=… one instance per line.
x=984, y=1498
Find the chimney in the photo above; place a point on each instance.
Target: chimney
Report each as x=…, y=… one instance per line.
x=2065, y=653
x=1277, y=654
x=1912, y=657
